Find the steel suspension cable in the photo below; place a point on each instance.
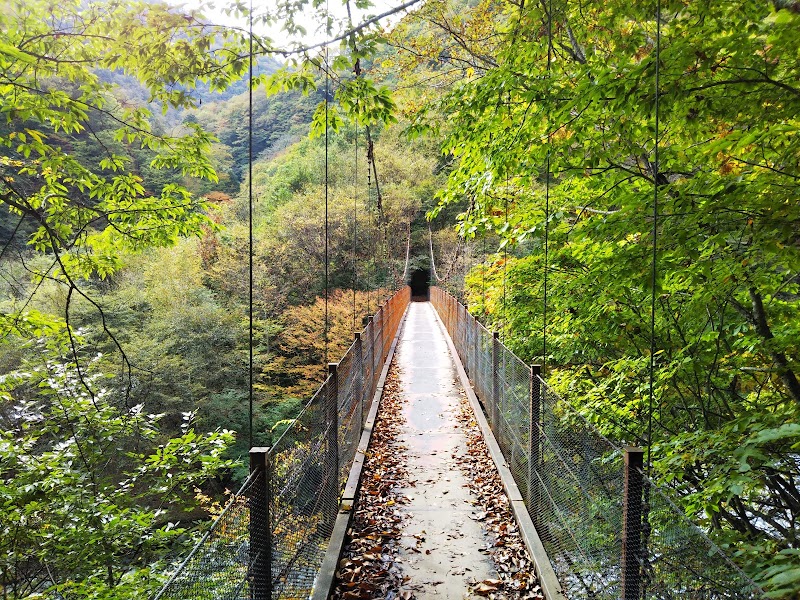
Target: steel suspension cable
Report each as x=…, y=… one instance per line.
x=505, y=251
x=547, y=196
x=456, y=255
x=505, y=224
x=357, y=71
x=371, y=240
x=408, y=252
x=355, y=226
x=327, y=241
x=654, y=272
x=433, y=261
x=483, y=277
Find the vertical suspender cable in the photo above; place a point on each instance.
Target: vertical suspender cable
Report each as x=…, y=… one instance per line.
x=357, y=71
x=547, y=196
x=654, y=273
x=505, y=250
x=483, y=277
x=327, y=274
x=505, y=246
x=250, y=232
x=408, y=253
x=371, y=239
x=355, y=226
x=433, y=261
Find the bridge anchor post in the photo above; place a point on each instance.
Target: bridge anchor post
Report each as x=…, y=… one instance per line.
x=534, y=442
x=260, y=568
x=632, y=524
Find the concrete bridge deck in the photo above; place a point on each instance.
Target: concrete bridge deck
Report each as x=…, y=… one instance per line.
x=443, y=546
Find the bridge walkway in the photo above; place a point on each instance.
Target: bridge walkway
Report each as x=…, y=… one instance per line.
x=454, y=534
x=443, y=546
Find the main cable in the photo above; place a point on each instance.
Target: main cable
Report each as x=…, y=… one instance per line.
x=433, y=262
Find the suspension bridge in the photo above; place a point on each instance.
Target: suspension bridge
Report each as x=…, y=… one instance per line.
x=595, y=525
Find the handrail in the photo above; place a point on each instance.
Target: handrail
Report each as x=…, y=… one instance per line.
x=297, y=498
x=608, y=529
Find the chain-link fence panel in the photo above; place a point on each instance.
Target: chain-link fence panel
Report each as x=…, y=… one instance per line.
x=513, y=422
x=377, y=340
x=217, y=566
x=348, y=408
x=269, y=541
x=578, y=511
x=484, y=367
x=304, y=495
x=681, y=561
x=609, y=531
x=368, y=363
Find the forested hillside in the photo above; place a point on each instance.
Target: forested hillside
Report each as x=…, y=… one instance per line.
x=615, y=193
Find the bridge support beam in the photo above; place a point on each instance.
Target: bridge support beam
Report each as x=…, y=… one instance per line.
x=260, y=571
x=632, y=524
x=495, y=403
x=534, y=442
x=331, y=490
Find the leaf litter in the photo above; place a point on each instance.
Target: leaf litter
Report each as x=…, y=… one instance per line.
x=516, y=578
x=368, y=568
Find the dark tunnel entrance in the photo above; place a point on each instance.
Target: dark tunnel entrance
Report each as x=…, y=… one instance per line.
x=420, y=285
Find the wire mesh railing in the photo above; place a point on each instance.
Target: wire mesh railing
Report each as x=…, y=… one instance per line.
x=217, y=566
x=609, y=531
x=270, y=540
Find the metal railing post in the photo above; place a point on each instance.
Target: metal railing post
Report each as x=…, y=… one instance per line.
x=473, y=345
x=534, y=441
x=632, y=524
x=371, y=342
x=332, y=443
x=468, y=344
x=456, y=330
x=260, y=569
x=380, y=335
x=450, y=301
x=495, y=409
x=358, y=385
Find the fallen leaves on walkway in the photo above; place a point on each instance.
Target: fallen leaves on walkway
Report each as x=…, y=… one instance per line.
x=367, y=569
x=507, y=550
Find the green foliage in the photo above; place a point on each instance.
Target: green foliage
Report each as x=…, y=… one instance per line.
x=77, y=183
x=91, y=493
x=278, y=120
